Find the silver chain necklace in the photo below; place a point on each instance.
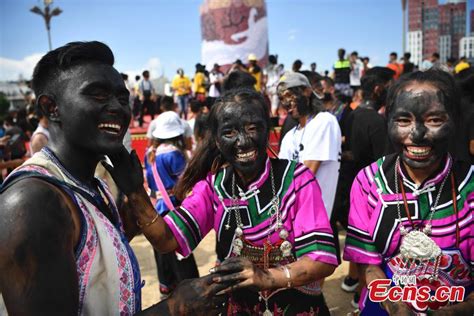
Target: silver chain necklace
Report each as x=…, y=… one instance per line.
x=275, y=219
x=416, y=245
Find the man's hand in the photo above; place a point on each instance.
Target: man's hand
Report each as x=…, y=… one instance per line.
x=126, y=171
x=243, y=274
x=197, y=297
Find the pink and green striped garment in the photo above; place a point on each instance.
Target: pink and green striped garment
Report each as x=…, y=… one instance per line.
x=373, y=235
x=301, y=207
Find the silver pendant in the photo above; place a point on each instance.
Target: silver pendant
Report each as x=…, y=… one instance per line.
x=285, y=248
x=237, y=246
x=227, y=227
x=283, y=233
x=427, y=229
x=417, y=245
x=239, y=232
x=403, y=230
x=267, y=312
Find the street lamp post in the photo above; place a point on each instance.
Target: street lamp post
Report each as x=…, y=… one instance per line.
x=47, y=14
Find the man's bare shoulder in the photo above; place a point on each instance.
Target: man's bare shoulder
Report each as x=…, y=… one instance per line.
x=35, y=213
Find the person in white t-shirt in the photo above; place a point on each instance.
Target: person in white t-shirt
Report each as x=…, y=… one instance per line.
x=215, y=78
x=271, y=76
x=356, y=71
x=316, y=140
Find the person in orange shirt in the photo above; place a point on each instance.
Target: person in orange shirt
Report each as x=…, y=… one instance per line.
x=394, y=65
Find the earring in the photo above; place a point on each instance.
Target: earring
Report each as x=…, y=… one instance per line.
x=48, y=107
x=53, y=114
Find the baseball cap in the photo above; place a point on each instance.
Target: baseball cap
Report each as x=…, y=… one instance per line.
x=252, y=57
x=168, y=125
x=293, y=79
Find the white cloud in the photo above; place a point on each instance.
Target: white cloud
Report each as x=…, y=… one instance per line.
x=292, y=34
x=12, y=69
x=153, y=65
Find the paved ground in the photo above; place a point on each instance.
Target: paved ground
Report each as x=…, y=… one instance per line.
x=337, y=299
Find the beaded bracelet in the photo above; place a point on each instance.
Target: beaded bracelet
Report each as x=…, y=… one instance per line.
x=149, y=223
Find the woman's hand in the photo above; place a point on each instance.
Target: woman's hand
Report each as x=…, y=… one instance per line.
x=243, y=273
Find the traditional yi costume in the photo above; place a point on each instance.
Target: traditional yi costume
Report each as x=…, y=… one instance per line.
x=277, y=220
x=434, y=241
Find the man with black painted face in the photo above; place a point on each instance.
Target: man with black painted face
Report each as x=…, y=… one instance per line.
x=272, y=229
x=411, y=212
x=64, y=241
x=316, y=140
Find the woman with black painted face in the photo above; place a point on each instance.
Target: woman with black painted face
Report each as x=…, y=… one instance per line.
x=411, y=212
x=273, y=236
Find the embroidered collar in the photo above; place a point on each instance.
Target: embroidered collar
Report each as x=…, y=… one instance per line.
x=429, y=184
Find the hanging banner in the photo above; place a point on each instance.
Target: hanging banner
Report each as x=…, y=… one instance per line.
x=233, y=29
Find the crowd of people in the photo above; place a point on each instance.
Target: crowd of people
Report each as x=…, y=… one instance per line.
x=383, y=153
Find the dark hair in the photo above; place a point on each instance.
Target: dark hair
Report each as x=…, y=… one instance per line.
x=465, y=80
x=407, y=55
x=239, y=79
x=341, y=51
x=167, y=103
x=366, y=58
x=435, y=55
x=137, y=77
x=195, y=106
x=272, y=59
x=146, y=73
x=354, y=53
x=124, y=76
x=442, y=80
x=373, y=77
x=313, y=77
x=177, y=141
x=50, y=65
x=297, y=63
x=394, y=54
x=207, y=157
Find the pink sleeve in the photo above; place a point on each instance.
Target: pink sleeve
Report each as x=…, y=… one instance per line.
x=359, y=246
x=313, y=234
x=191, y=222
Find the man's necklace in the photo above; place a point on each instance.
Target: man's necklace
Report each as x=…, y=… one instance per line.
x=299, y=148
x=416, y=246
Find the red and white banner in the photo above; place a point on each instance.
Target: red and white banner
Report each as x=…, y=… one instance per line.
x=233, y=29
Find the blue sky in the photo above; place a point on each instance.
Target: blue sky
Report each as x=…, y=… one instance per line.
x=163, y=35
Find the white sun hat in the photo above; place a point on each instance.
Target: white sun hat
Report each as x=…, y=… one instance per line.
x=168, y=125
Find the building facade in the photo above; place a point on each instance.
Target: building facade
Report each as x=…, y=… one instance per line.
x=441, y=25
x=466, y=47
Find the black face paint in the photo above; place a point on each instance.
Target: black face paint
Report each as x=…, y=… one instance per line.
x=420, y=127
x=94, y=108
x=295, y=102
x=242, y=137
